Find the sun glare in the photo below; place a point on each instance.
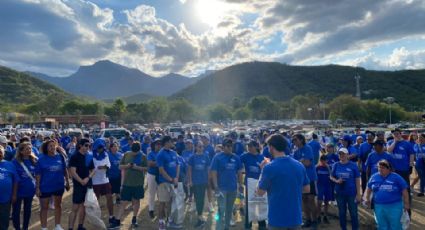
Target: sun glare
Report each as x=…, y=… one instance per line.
x=211, y=11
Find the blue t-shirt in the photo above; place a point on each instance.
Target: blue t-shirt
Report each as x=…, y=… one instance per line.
x=152, y=157
x=354, y=137
x=65, y=140
x=238, y=148
x=252, y=165
x=331, y=159
x=315, y=148
x=420, y=155
x=210, y=150
x=145, y=147
x=284, y=179
x=401, y=155
x=167, y=159
x=186, y=154
x=183, y=168
x=387, y=190
x=227, y=167
x=323, y=173
x=365, y=150
x=349, y=172
x=51, y=170
x=8, y=177
x=374, y=158
x=306, y=153
x=115, y=159
x=199, y=164
x=26, y=186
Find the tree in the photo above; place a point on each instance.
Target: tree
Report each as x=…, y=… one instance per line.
x=118, y=109
x=180, y=110
x=219, y=112
x=348, y=108
x=158, y=108
x=263, y=108
x=242, y=113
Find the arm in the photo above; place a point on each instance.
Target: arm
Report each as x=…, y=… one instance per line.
x=390, y=148
x=37, y=185
x=75, y=176
x=152, y=164
x=214, y=179
x=261, y=192
x=165, y=174
x=359, y=190
x=189, y=175
x=306, y=188
x=406, y=199
x=368, y=193
x=14, y=192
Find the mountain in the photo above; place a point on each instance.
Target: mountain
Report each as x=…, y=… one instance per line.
x=108, y=80
x=17, y=87
x=282, y=82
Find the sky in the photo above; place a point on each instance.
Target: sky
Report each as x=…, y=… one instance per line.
x=188, y=37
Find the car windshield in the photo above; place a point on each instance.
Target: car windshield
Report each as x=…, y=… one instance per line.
x=115, y=133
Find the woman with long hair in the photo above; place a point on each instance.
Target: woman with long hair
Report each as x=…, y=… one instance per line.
x=25, y=162
x=51, y=180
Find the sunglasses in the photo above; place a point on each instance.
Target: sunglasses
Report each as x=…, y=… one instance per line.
x=86, y=145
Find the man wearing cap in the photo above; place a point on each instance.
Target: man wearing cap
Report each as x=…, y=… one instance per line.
x=358, y=133
x=284, y=187
x=347, y=143
x=7, y=149
x=146, y=144
x=377, y=155
x=364, y=151
x=403, y=156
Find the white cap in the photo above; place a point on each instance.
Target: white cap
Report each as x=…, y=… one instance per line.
x=344, y=150
x=3, y=140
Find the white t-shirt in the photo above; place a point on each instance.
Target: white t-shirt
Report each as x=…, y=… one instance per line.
x=100, y=174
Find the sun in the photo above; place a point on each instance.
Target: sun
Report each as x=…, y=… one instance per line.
x=211, y=11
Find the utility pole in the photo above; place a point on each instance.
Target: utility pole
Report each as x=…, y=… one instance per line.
x=357, y=78
x=390, y=101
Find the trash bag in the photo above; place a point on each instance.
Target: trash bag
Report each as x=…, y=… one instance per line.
x=178, y=205
x=257, y=205
x=93, y=213
x=405, y=220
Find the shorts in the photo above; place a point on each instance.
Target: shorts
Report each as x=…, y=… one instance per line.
x=50, y=194
x=115, y=185
x=164, y=192
x=102, y=189
x=313, y=188
x=79, y=194
x=129, y=193
x=325, y=193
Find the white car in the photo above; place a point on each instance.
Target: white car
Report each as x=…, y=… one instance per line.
x=118, y=133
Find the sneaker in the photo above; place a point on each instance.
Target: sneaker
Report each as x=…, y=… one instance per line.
x=314, y=225
x=134, y=223
x=232, y=223
x=319, y=219
x=420, y=194
x=162, y=226
x=306, y=224
x=210, y=207
x=81, y=228
x=114, y=225
x=173, y=225
x=112, y=220
x=58, y=227
x=200, y=224
x=151, y=214
x=325, y=220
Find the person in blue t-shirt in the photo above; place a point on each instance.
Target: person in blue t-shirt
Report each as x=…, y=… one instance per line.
x=226, y=173
x=114, y=173
x=169, y=170
x=304, y=154
x=252, y=163
x=146, y=144
x=324, y=188
x=377, y=155
x=25, y=162
x=152, y=176
x=315, y=147
x=284, y=187
x=365, y=150
x=207, y=145
x=403, y=157
x=51, y=175
x=358, y=133
x=390, y=196
x=180, y=145
x=197, y=175
x=65, y=140
x=419, y=149
x=346, y=175
x=9, y=180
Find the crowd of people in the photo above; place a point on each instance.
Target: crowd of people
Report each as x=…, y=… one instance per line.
x=300, y=176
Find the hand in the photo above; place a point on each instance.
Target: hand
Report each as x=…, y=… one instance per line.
x=406, y=207
x=67, y=187
x=339, y=181
x=130, y=165
x=85, y=181
x=264, y=162
x=175, y=182
x=37, y=192
x=359, y=198
x=217, y=194
x=368, y=203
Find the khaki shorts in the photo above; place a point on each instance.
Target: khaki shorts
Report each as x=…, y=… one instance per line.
x=164, y=192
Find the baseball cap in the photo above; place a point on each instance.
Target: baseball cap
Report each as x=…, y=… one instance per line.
x=346, y=138
x=3, y=140
x=188, y=141
x=344, y=150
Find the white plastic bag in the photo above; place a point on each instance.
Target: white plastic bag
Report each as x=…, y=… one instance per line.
x=93, y=213
x=257, y=205
x=405, y=220
x=178, y=205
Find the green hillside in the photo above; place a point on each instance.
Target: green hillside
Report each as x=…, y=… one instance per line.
x=282, y=82
x=21, y=88
x=141, y=97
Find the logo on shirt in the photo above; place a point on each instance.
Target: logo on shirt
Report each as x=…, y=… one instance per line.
x=401, y=148
x=230, y=166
